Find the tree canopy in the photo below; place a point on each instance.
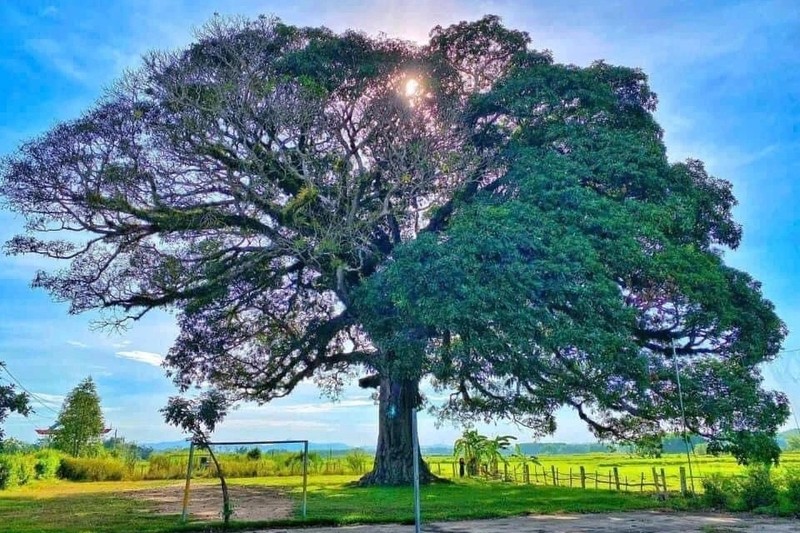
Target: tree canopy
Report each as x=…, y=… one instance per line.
x=11, y=401
x=80, y=425
x=511, y=229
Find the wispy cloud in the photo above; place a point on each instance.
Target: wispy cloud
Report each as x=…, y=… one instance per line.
x=148, y=358
x=78, y=344
x=307, y=408
x=255, y=423
x=52, y=53
x=51, y=400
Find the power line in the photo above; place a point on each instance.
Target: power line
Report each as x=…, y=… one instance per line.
x=31, y=394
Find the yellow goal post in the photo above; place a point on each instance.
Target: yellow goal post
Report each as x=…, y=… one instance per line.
x=208, y=444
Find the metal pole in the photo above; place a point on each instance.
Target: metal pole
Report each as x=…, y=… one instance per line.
x=305, y=477
x=415, y=448
x=683, y=414
x=188, y=480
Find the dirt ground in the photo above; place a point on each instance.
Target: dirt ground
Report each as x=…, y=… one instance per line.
x=651, y=522
x=205, y=502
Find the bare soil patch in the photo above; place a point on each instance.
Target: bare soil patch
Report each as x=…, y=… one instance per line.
x=205, y=502
x=633, y=522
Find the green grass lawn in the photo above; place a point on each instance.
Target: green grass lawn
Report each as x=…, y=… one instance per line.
x=630, y=468
x=104, y=507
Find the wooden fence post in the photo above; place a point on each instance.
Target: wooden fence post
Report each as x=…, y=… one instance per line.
x=583, y=478
x=655, y=480
x=616, y=477
x=627, y=486
x=663, y=480
x=536, y=475
x=570, y=477
x=641, y=486
x=683, y=480
x=505, y=472
x=526, y=474
x=553, y=473
x=596, y=476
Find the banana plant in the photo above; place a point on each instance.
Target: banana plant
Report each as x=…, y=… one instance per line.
x=493, y=451
x=470, y=446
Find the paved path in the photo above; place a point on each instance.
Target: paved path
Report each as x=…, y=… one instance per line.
x=643, y=522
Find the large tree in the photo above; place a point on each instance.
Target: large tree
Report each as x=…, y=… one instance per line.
x=11, y=401
x=80, y=425
x=322, y=206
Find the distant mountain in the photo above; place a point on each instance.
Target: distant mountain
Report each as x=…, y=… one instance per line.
x=166, y=445
x=312, y=446
x=437, y=449
x=783, y=437
x=561, y=448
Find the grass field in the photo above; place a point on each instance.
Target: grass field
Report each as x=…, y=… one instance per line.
x=98, y=507
x=630, y=468
x=70, y=507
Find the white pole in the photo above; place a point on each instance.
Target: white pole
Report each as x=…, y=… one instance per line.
x=305, y=478
x=683, y=414
x=415, y=448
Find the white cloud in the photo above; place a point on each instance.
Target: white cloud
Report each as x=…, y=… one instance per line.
x=53, y=53
x=308, y=408
x=78, y=344
x=51, y=400
x=121, y=344
x=148, y=358
x=255, y=423
x=326, y=407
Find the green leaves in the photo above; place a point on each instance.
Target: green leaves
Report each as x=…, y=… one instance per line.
x=515, y=233
x=80, y=423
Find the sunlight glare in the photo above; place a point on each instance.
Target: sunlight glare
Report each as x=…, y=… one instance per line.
x=412, y=87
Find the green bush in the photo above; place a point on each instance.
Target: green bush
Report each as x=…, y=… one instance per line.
x=719, y=491
x=791, y=484
x=254, y=454
x=357, y=459
x=757, y=489
x=16, y=470
x=91, y=469
x=235, y=466
x=47, y=464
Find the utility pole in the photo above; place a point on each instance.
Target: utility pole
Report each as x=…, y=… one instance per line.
x=415, y=448
x=683, y=414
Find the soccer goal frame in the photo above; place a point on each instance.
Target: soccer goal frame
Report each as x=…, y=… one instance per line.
x=190, y=467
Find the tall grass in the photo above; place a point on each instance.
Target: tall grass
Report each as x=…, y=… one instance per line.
x=92, y=469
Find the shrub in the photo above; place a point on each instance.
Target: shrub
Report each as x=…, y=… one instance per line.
x=757, y=489
x=47, y=463
x=165, y=467
x=356, y=460
x=16, y=470
x=91, y=469
x=254, y=454
x=8, y=472
x=719, y=491
x=791, y=483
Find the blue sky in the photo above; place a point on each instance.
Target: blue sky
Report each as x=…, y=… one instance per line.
x=728, y=79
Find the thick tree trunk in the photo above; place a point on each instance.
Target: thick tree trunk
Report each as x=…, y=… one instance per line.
x=394, y=463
